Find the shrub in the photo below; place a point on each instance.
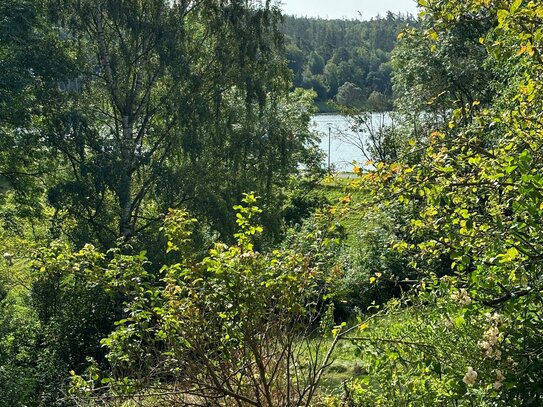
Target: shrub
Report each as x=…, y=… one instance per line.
x=238, y=327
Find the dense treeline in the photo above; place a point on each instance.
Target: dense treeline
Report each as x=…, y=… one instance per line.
x=343, y=60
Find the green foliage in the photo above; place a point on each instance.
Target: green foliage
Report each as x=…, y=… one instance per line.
x=421, y=355
x=110, y=114
x=135, y=108
x=136, y=78
x=321, y=235
x=247, y=227
x=349, y=95
x=324, y=55
x=238, y=326
x=33, y=61
x=193, y=108
x=30, y=55
x=75, y=311
x=303, y=196
x=375, y=269
x=18, y=341
x=476, y=193
x=20, y=329
x=440, y=67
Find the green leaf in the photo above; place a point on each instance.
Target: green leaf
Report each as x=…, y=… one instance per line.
x=514, y=7
x=459, y=321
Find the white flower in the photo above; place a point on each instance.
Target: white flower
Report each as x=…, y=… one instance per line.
x=492, y=335
x=491, y=338
x=485, y=346
x=8, y=258
x=512, y=363
x=500, y=378
x=495, y=318
x=462, y=297
x=470, y=377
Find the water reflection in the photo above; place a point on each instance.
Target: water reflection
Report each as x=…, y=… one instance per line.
x=334, y=130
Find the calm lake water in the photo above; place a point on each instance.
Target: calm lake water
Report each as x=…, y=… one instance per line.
x=342, y=153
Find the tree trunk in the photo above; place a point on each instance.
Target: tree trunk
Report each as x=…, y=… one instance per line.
x=124, y=187
x=126, y=226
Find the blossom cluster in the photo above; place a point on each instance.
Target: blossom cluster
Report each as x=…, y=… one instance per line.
x=491, y=338
x=470, y=377
x=500, y=378
x=461, y=297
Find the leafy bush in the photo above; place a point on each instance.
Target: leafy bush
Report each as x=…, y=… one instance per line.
x=437, y=346
x=477, y=189
x=18, y=341
x=374, y=268
x=421, y=355
x=238, y=327
x=74, y=312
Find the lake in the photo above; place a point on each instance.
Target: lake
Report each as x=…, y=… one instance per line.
x=342, y=153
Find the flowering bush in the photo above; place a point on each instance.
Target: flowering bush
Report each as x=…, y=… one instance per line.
x=477, y=185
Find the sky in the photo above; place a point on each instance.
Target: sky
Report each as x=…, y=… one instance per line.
x=348, y=9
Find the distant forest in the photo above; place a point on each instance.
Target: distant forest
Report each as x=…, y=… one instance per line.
x=347, y=61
